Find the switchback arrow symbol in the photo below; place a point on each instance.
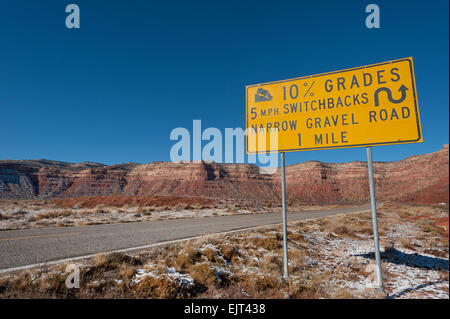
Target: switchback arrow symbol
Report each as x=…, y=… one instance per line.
x=389, y=95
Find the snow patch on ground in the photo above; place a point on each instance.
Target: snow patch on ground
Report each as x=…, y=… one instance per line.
x=406, y=273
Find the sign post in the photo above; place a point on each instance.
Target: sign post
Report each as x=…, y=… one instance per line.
x=374, y=219
x=283, y=205
x=358, y=107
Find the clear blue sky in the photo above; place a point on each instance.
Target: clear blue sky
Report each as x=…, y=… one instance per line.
x=113, y=90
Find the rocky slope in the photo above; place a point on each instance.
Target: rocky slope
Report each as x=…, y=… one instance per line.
x=422, y=178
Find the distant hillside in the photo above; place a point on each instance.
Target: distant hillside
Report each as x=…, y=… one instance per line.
x=422, y=178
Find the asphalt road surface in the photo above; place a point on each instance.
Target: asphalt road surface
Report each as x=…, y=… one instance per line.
x=23, y=248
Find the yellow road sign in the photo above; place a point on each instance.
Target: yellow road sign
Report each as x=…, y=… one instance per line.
x=364, y=106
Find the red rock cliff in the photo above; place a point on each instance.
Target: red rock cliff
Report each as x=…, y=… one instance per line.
x=422, y=178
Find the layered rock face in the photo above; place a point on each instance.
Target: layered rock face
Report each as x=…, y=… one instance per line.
x=422, y=178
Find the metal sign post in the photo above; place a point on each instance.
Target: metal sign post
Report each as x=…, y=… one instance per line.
x=283, y=205
x=374, y=219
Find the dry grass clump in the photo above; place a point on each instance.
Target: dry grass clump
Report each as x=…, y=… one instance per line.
x=364, y=228
x=348, y=226
x=179, y=206
x=126, y=272
x=230, y=208
x=297, y=261
x=83, y=212
x=30, y=286
x=268, y=282
x=204, y=274
x=343, y=229
x=17, y=215
x=106, y=263
x=438, y=242
x=272, y=264
x=211, y=255
x=268, y=243
x=193, y=253
x=184, y=261
x=161, y=208
x=429, y=226
x=145, y=210
x=443, y=275
x=295, y=236
x=99, y=209
x=404, y=213
x=55, y=285
x=407, y=243
x=426, y=225
x=160, y=287
x=314, y=286
x=55, y=214
x=228, y=252
x=100, y=260
x=22, y=282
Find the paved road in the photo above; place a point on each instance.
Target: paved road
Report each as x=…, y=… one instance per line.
x=20, y=248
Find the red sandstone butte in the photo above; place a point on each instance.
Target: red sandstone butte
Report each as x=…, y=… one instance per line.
x=422, y=179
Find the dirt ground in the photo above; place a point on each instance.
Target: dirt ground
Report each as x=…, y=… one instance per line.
x=330, y=257
x=22, y=214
